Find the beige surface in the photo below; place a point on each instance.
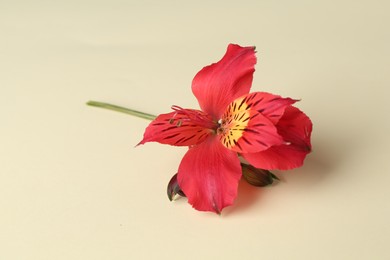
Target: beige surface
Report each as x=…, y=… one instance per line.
x=73, y=187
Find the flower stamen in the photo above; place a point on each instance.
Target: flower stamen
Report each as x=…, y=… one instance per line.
x=193, y=116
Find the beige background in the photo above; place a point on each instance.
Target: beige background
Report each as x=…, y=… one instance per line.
x=73, y=187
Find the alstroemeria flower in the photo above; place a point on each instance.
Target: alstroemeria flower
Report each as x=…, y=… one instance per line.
x=263, y=128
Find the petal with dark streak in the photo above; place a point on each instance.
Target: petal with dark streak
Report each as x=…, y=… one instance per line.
x=175, y=129
x=295, y=127
x=270, y=105
x=245, y=130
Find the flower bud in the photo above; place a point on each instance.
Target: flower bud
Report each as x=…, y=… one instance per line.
x=173, y=188
x=257, y=177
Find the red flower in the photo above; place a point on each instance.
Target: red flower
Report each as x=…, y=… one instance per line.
x=263, y=128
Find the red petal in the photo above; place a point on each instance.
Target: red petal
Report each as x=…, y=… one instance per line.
x=244, y=129
x=218, y=84
x=175, y=129
x=209, y=175
x=283, y=157
x=271, y=106
x=295, y=127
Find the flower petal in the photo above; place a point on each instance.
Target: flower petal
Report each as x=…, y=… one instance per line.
x=175, y=129
x=295, y=127
x=283, y=157
x=245, y=130
x=209, y=175
x=218, y=84
x=270, y=105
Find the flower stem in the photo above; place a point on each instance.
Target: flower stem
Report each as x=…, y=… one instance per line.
x=121, y=109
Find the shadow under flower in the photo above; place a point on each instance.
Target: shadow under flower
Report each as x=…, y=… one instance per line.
x=329, y=154
x=247, y=197
x=321, y=164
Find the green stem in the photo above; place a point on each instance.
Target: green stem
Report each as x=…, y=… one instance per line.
x=121, y=109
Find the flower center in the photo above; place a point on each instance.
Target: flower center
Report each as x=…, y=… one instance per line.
x=233, y=123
